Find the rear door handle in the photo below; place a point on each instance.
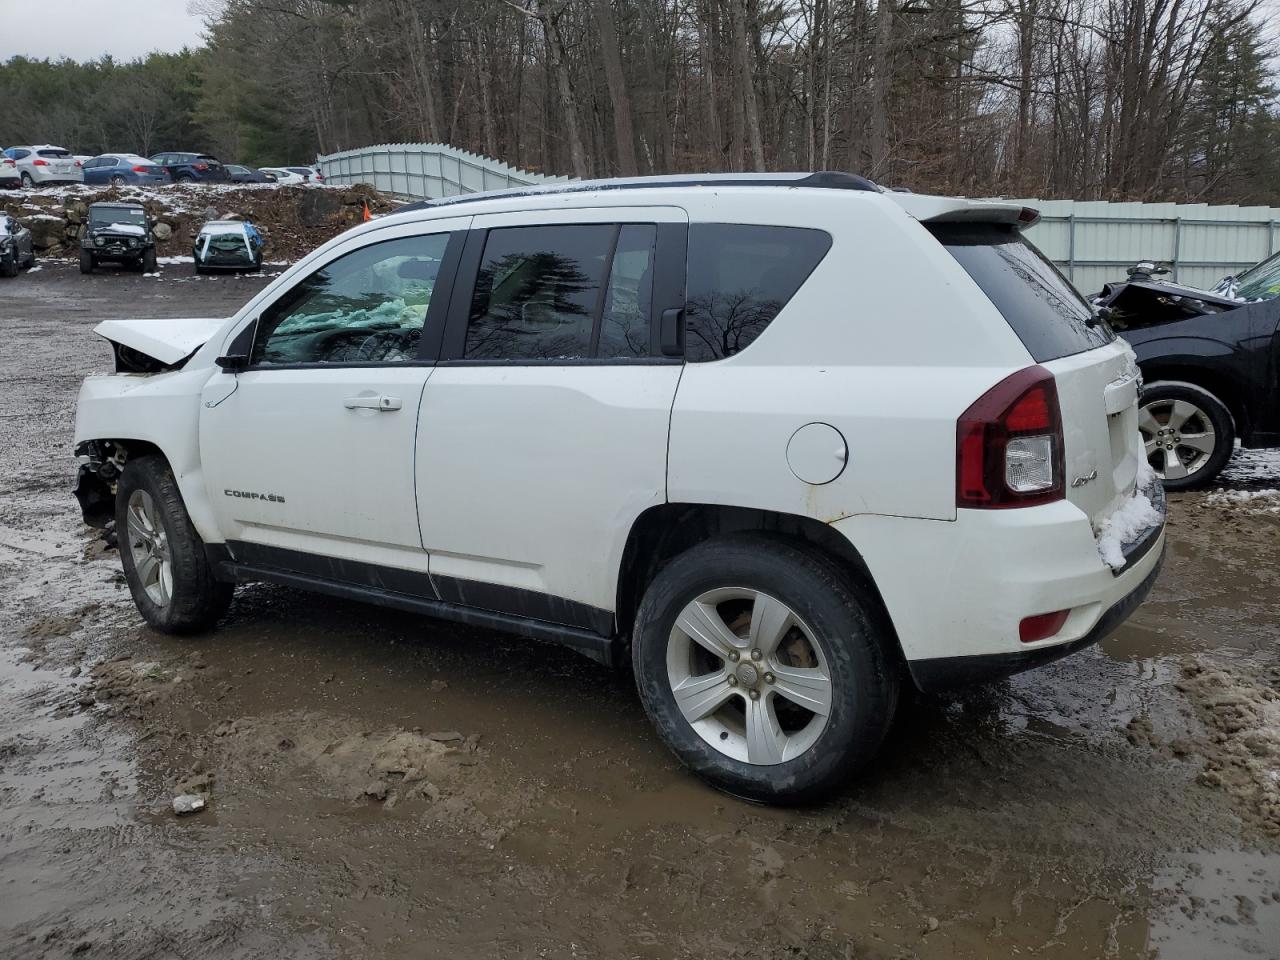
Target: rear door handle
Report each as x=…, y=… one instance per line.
x=383, y=403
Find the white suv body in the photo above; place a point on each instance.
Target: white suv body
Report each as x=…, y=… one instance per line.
x=562, y=411
x=45, y=164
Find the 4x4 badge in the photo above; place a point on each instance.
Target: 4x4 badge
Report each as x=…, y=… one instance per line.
x=1087, y=478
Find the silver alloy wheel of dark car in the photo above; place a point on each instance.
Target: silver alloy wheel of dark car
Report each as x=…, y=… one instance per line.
x=117, y=180
x=1179, y=437
x=758, y=689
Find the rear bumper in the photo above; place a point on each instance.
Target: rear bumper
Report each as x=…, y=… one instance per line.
x=958, y=590
x=938, y=674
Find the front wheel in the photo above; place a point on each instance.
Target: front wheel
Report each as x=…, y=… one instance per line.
x=1188, y=433
x=763, y=668
x=149, y=262
x=9, y=265
x=164, y=562
x=86, y=261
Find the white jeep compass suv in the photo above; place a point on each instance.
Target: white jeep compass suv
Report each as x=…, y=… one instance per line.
x=784, y=442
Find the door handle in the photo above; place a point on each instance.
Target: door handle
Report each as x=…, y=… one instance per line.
x=383, y=403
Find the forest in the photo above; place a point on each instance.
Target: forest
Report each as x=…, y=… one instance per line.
x=1086, y=99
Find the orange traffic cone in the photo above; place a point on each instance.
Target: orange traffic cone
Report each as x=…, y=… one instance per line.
x=367, y=215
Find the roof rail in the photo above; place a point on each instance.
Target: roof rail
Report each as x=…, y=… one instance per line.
x=825, y=180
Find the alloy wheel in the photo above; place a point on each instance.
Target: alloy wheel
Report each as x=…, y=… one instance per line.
x=149, y=547
x=1179, y=437
x=749, y=676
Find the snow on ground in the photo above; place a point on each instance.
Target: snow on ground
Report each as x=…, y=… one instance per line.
x=179, y=197
x=1252, y=467
x=1250, y=501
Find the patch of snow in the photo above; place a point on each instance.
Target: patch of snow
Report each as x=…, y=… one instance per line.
x=1252, y=501
x=36, y=269
x=1134, y=516
x=130, y=228
x=175, y=260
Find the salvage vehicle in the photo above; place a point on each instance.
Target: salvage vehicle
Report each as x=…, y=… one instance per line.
x=17, y=251
x=227, y=245
x=1211, y=365
x=193, y=167
x=118, y=233
x=9, y=173
x=241, y=174
x=647, y=418
x=124, y=169
x=44, y=165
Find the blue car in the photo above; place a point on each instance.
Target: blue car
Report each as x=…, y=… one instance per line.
x=119, y=169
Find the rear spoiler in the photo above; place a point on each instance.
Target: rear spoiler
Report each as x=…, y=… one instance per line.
x=928, y=209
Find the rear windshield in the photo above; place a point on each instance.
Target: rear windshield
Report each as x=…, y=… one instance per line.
x=54, y=153
x=1050, y=318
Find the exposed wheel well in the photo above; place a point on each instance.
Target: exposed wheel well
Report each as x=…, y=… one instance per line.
x=96, y=486
x=662, y=533
x=1219, y=385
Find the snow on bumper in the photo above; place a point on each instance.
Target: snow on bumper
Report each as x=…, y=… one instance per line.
x=959, y=589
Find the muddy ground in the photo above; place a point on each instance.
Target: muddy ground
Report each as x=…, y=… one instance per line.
x=381, y=785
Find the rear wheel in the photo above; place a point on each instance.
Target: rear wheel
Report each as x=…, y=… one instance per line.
x=86, y=261
x=117, y=181
x=1188, y=433
x=763, y=669
x=163, y=557
x=27, y=181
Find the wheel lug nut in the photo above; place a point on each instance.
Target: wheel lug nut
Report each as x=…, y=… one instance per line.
x=733, y=681
x=734, y=656
x=755, y=654
x=768, y=678
x=754, y=694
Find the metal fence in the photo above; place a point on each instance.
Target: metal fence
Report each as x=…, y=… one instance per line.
x=1092, y=241
x=1095, y=241
x=425, y=171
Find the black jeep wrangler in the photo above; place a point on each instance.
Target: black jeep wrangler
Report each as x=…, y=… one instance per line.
x=118, y=233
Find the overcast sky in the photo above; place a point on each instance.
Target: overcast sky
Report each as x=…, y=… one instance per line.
x=86, y=29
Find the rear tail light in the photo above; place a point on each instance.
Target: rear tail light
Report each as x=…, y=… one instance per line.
x=78, y=163
x=142, y=169
x=1009, y=444
x=200, y=166
x=1042, y=626
x=39, y=163
x=319, y=177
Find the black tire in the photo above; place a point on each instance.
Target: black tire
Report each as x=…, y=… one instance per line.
x=197, y=599
x=117, y=181
x=185, y=178
x=27, y=182
x=200, y=271
x=864, y=681
x=1201, y=468
x=86, y=262
x=9, y=265
x=31, y=260
x=149, y=262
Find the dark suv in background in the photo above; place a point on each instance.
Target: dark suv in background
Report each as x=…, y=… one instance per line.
x=193, y=167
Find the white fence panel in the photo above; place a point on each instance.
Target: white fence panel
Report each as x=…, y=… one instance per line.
x=1093, y=241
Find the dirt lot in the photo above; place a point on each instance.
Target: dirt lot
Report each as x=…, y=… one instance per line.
x=380, y=785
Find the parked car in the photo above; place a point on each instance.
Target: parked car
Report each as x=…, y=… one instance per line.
x=121, y=169
x=44, y=165
x=16, y=249
x=308, y=174
x=193, y=167
x=1211, y=364
x=9, y=176
x=284, y=176
x=316, y=173
x=682, y=422
x=228, y=245
x=241, y=174
x=118, y=233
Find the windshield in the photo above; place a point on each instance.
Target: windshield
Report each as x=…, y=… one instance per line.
x=1261, y=282
x=1046, y=312
x=118, y=215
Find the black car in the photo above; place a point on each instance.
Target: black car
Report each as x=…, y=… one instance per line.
x=16, y=249
x=118, y=233
x=1211, y=366
x=193, y=167
x=240, y=174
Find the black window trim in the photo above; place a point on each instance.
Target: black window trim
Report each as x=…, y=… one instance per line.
x=670, y=247
x=433, y=325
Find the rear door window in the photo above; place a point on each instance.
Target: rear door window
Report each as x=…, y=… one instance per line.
x=1046, y=312
x=740, y=278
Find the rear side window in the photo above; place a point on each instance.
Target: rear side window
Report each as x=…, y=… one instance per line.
x=565, y=292
x=740, y=278
x=1050, y=318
